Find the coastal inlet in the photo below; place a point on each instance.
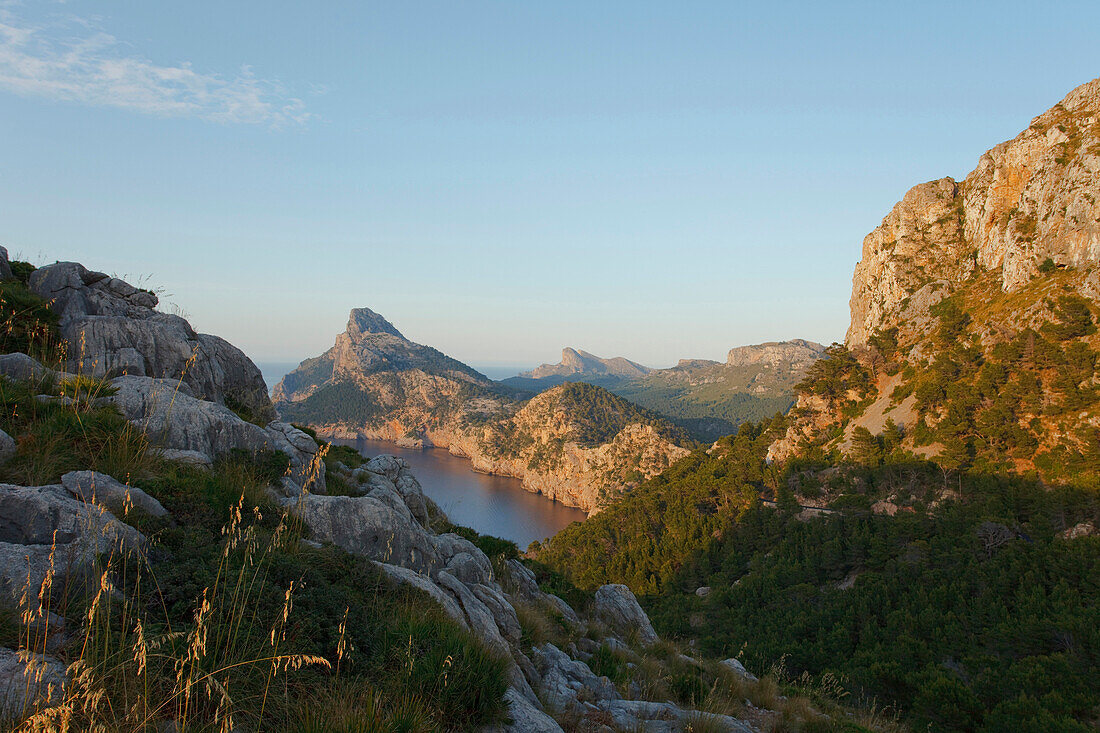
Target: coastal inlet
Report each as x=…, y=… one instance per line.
x=494, y=505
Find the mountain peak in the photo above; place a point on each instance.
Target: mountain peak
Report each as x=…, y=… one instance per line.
x=1029, y=201
x=364, y=321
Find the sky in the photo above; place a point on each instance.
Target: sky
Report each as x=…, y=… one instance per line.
x=502, y=179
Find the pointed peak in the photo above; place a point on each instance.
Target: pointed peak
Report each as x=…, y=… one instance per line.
x=364, y=321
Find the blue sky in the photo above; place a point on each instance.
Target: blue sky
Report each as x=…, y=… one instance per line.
x=503, y=179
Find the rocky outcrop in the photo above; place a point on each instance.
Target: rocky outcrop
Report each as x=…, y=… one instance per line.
x=112, y=328
x=92, y=487
x=45, y=532
x=5, y=264
x=7, y=447
x=370, y=344
x=174, y=420
x=796, y=354
x=28, y=682
x=1030, y=199
x=574, y=362
x=580, y=449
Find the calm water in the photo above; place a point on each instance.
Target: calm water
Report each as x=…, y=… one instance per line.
x=495, y=505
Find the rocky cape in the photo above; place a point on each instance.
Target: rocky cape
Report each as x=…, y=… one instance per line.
x=576, y=444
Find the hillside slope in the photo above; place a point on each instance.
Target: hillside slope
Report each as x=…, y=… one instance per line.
x=576, y=444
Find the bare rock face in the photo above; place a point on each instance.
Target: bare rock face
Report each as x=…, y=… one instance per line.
x=5, y=264
x=92, y=487
x=111, y=327
x=797, y=353
x=1030, y=199
x=29, y=682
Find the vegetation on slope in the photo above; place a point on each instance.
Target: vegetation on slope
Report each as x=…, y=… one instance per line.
x=967, y=613
x=708, y=400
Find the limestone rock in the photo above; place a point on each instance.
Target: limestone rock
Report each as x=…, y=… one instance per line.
x=1029, y=199
x=7, y=447
x=29, y=682
x=797, y=353
x=425, y=584
x=192, y=457
x=1081, y=529
x=111, y=328
x=619, y=609
x=36, y=521
x=175, y=420
x=21, y=366
x=581, y=362
x=480, y=617
x=734, y=665
x=564, y=680
x=98, y=488
x=370, y=527
x=526, y=718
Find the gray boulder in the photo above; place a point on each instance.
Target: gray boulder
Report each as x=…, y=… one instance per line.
x=664, y=716
x=29, y=682
x=37, y=521
x=526, y=718
x=616, y=606
x=425, y=584
x=566, y=681
x=5, y=265
x=112, y=328
x=370, y=527
x=734, y=665
x=21, y=366
x=98, y=488
x=482, y=621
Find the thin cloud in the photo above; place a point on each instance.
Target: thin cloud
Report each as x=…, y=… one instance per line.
x=87, y=66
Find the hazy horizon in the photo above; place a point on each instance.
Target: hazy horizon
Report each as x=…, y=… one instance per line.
x=501, y=181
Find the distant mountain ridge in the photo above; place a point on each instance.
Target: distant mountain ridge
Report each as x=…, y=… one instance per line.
x=577, y=444
x=708, y=398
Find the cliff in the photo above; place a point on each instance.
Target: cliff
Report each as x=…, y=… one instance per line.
x=973, y=308
x=1029, y=200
